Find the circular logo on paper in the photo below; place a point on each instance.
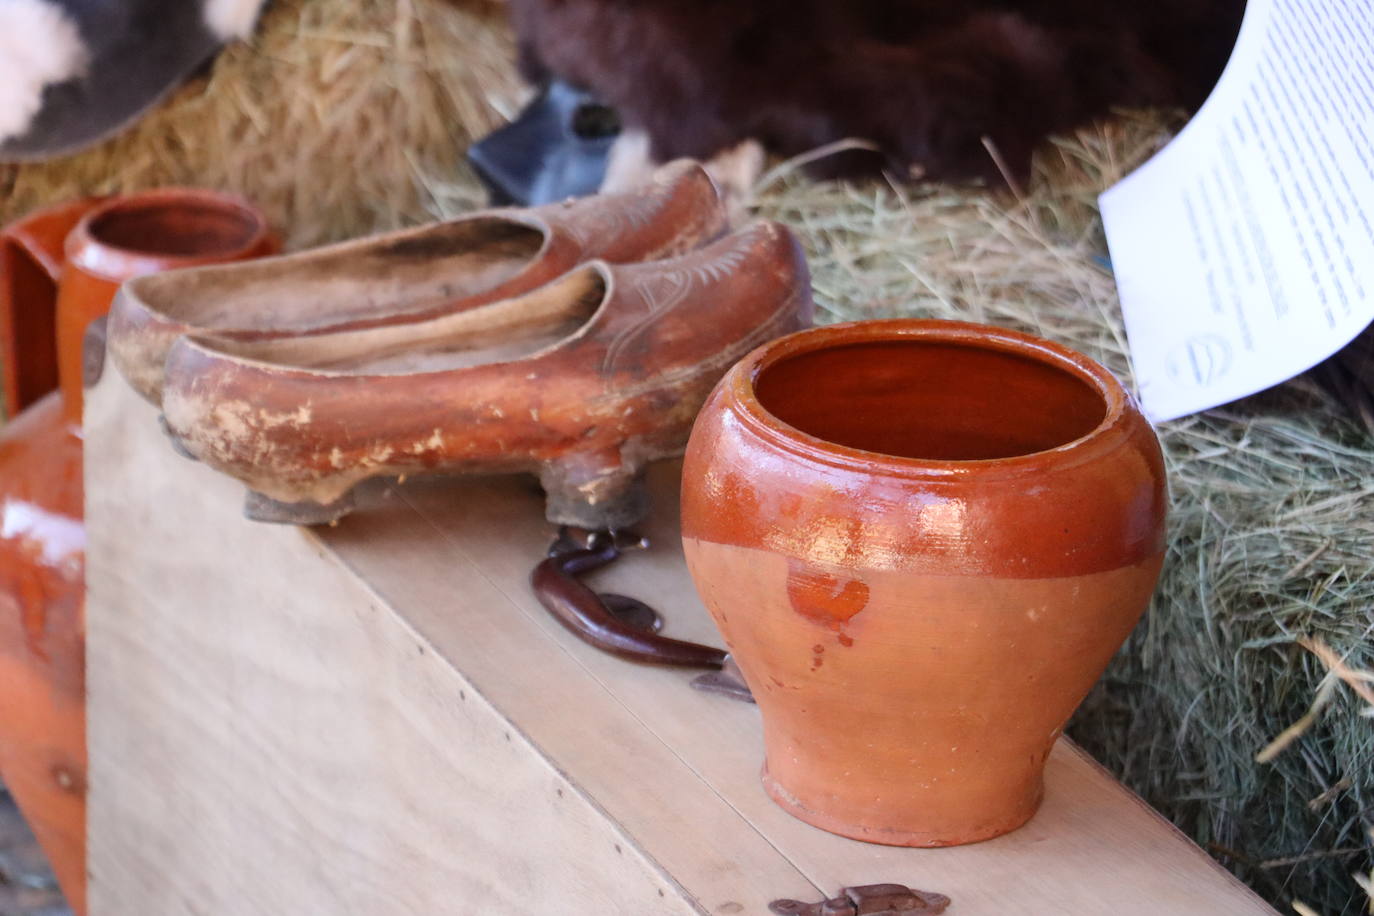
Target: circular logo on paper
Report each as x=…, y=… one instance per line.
x=1200, y=360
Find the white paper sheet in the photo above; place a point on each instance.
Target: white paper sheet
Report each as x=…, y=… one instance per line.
x=1244, y=250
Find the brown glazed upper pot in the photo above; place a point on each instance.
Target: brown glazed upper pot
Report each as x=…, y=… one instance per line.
x=59, y=269
x=922, y=541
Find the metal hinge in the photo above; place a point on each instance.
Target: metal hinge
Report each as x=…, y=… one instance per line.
x=867, y=900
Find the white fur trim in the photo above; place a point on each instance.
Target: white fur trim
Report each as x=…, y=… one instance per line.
x=39, y=45
x=231, y=19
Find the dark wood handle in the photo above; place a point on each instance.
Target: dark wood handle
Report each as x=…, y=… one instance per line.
x=584, y=613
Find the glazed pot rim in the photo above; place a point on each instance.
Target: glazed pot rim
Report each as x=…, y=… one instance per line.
x=86, y=248
x=1117, y=402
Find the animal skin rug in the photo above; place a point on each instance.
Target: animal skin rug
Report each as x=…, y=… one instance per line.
x=935, y=85
x=73, y=71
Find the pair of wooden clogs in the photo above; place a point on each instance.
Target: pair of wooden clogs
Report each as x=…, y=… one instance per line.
x=576, y=341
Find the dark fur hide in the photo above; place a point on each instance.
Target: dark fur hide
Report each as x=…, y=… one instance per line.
x=923, y=80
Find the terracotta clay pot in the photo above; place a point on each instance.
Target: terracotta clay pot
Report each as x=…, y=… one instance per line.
x=922, y=541
x=59, y=269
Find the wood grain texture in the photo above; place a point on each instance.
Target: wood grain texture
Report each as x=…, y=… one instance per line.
x=289, y=722
x=270, y=738
x=1093, y=843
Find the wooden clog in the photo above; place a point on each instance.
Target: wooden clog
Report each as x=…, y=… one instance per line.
x=582, y=381
x=410, y=275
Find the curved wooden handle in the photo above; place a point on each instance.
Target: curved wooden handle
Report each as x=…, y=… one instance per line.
x=31, y=259
x=584, y=613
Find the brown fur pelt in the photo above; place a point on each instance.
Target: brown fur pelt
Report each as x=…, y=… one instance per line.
x=925, y=80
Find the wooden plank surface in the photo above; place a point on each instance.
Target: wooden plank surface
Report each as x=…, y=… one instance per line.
x=268, y=737
x=1093, y=847
x=378, y=718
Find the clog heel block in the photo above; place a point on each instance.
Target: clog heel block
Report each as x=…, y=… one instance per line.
x=410, y=275
x=582, y=382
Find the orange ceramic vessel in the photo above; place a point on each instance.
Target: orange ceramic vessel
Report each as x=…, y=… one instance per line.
x=922, y=541
x=59, y=269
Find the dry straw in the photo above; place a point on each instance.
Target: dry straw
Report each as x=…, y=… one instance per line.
x=324, y=119
x=346, y=116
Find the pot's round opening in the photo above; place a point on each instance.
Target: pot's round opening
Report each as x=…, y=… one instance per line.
x=177, y=226
x=934, y=400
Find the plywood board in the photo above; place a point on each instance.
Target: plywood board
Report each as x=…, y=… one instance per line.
x=378, y=718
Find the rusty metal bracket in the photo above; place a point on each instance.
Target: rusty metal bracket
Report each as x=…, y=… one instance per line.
x=727, y=682
x=618, y=624
x=867, y=900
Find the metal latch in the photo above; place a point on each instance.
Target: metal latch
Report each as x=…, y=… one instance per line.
x=616, y=623
x=867, y=900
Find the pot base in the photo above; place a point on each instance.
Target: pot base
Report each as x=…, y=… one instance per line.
x=914, y=838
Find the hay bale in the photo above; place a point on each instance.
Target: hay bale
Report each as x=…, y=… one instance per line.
x=325, y=118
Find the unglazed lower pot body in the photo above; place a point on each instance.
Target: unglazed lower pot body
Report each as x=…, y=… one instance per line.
x=59, y=270
x=922, y=541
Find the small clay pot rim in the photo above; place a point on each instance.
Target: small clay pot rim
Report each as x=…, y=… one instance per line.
x=1106, y=434
x=87, y=249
